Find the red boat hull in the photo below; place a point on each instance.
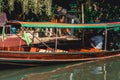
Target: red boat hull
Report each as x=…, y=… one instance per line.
x=12, y=56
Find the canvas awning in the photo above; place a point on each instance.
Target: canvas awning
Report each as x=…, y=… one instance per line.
x=65, y=25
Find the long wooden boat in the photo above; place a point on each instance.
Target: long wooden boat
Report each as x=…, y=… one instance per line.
x=30, y=54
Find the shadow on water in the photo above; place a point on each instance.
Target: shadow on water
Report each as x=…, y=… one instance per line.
x=8, y=66
x=13, y=65
x=107, y=69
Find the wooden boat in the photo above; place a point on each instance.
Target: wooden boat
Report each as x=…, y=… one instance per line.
x=32, y=54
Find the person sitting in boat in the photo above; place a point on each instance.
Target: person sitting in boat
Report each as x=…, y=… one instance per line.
x=97, y=41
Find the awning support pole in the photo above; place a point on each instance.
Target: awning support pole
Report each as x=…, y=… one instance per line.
x=105, y=39
x=56, y=40
x=83, y=21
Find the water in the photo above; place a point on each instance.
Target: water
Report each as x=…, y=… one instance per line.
x=11, y=72
x=108, y=69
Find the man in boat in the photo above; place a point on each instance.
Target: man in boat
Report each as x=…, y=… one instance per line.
x=97, y=41
x=61, y=18
x=67, y=18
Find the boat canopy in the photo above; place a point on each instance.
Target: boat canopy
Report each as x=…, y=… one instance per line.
x=66, y=25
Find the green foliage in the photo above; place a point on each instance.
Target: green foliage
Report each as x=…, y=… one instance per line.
x=1, y=5
x=104, y=11
x=93, y=9
x=90, y=15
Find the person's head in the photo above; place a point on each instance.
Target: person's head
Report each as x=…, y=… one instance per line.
x=59, y=8
x=64, y=11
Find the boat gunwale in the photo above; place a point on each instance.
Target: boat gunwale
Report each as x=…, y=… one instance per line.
x=57, y=60
x=22, y=52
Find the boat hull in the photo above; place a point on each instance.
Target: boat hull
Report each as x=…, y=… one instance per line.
x=37, y=57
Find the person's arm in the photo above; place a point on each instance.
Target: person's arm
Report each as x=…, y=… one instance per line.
x=62, y=19
x=92, y=43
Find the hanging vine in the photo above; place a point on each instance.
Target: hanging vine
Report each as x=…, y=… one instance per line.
x=11, y=5
x=2, y=6
x=48, y=6
x=36, y=6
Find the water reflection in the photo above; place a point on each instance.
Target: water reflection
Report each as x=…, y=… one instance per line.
x=16, y=72
x=97, y=70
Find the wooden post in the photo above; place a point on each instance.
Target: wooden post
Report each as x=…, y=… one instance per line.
x=82, y=7
x=83, y=21
x=89, y=3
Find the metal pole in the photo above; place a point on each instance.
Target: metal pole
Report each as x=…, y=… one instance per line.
x=56, y=40
x=105, y=39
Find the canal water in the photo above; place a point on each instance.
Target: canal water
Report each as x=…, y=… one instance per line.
x=107, y=69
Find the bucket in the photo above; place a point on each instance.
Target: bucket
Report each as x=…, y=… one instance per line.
x=13, y=30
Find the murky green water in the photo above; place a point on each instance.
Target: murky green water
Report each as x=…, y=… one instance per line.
x=94, y=70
